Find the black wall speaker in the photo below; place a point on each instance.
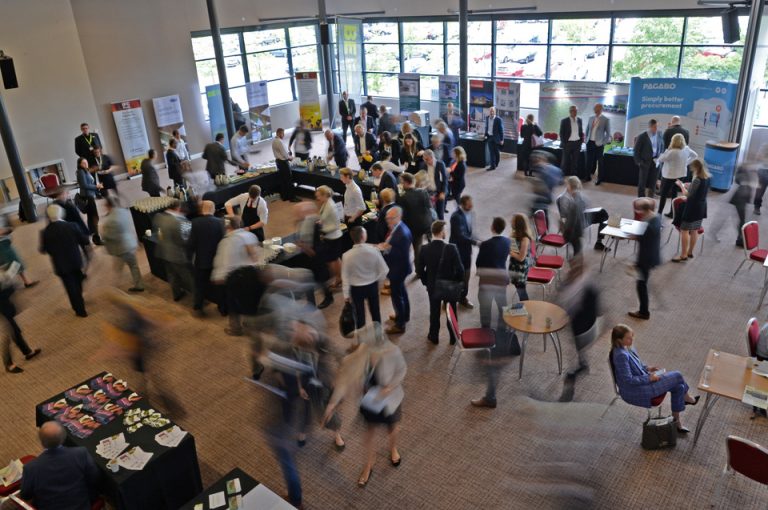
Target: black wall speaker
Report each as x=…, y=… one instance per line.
x=325, y=34
x=731, y=32
x=8, y=72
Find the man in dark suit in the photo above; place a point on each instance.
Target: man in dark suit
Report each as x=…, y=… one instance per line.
x=368, y=122
x=648, y=147
x=150, y=181
x=86, y=142
x=462, y=224
x=215, y=156
x=61, y=478
x=494, y=137
x=387, y=201
x=173, y=230
x=372, y=109
x=65, y=243
x=417, y=211
x=347, y=112
x=383, y=179
x=648, y=256
x=492, y=269
x=71, y=213
x=438, y=260
x=571, y=136
x=204, y=236
x=441, y=149
x=365, y=147
x=673, y=129
x=397, y=255
x=337, y=148
x=439, y=176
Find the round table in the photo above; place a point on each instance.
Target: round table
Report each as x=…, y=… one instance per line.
x=538, y=313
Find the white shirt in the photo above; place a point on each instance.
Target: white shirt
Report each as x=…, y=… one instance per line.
x=490, y=125
x=242, y=200
x=238, y=146
x=329, y=221
x=232, y=253
x=181, y=149
x=363, y=148
x=388, y=166
x=362, y=265
x=353, y=200
x=574, y=130
x=676, y=162
x=278, y=149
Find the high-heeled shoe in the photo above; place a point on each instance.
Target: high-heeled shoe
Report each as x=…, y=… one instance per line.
x=363, y=482
x=32, y=354
x=682, y=429
x=14, y=370
x=695, y=401
x=396, y=463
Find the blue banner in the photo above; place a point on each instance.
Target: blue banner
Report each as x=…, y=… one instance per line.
x=216, y=113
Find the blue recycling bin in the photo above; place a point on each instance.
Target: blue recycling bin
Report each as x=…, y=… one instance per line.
x=721, y=162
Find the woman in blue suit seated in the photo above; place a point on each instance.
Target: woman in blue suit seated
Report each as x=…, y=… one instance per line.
x=639, y=384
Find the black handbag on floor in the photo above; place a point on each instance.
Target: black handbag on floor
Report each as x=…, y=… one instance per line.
x=449, y=291
x=347, y=320
x=659, y=433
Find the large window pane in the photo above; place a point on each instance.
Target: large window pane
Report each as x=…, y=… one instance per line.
x=382, y=57
x=579, y=63
x=423, y=58
x=522, y=31
x=206, y=74
x=239, y=97
x=478, y=32
x=235, y=74
x=712, y=63
x=305, y=59
x=648, y=30
x=382, y=85
x=428, y=88
x=303, y=35
x=268, y=65
x=644, y=61
x=380, y=32
x=453, y=59
x=761, y=109
x=264, y=40
x=202, y=47
x=230, y=44
x=521, y=61
x=280, y=91
x=423, y=32
x=709, y=30
x=479, y=60
x=595, y=31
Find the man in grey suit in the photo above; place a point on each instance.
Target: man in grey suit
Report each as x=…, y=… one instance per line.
x=173, y=229
x=216, y=155
x=120, y=240
x=648, y=147
x=597, y=135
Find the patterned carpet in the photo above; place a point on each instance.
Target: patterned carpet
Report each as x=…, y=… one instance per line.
x=530, y=452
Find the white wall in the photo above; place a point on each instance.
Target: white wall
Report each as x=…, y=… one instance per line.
x=54, y=94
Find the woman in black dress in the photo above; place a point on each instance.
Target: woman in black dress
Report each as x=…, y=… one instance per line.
x=386, y=143
x=410, y=154
x=694, y=210
x=456, y=173
x=527, y=132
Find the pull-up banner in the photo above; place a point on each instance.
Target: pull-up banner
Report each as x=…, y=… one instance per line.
x=350, y=38
x=132, y=132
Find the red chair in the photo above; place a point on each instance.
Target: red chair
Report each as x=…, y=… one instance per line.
x=655, y=401
x=750, y=233
x=474, y=339
x=543, y=236
x=744, y=457
x=753, y=336
x=555, y=262
x=677, y=209
x=49, y=181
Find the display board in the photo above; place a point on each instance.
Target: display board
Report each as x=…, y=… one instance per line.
x=448, y=92
x=168, y=117
x=218, y=121
x=410, y=93
x=508, y=107
x=480, y=101
x=258, y=110
x=350, y=38
x=309, y=100
x=705, y=108
x=132, y=132
x=555, y=98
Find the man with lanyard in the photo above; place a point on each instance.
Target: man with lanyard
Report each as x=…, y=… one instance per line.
x=86, y=143
x=253, y=211
x=104, y=165
x=238, y=145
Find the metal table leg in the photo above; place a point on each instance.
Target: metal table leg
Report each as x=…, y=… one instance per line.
x=603, y=257
x=709, y=403
x=522, y=355
x=558, y=353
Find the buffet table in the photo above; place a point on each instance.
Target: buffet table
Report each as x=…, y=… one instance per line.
x=317, y=178
x=476, y=149
x=269, y=183
x=102, y=408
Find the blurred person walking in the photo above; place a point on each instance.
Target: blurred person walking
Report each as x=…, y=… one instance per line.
x=571, y=206
x=205, y=234
x=648, y=255
x=173, y=229
x=12, y=331
x=88, y=191
x=119, y=236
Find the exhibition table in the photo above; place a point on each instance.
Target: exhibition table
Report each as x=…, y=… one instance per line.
x=97, y=409
x=620, y=168
x=317, y=178
x=269, y=183
x=557, y=151
x=476, y=149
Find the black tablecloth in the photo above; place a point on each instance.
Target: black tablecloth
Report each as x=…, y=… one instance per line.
x=170, y=478
x=318, y=178
x=620, y=169
x=558, y=153
x=476, y=149
x=247, y=484
x=269, y=183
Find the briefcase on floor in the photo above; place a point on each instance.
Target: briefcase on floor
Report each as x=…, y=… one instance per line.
x=659, y=433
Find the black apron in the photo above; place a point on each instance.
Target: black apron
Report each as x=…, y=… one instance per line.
x=250, y=216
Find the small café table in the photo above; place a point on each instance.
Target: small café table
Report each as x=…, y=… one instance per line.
x=543, y=318
x=628, y=230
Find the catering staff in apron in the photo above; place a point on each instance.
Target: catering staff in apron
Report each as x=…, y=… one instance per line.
x=253, y=210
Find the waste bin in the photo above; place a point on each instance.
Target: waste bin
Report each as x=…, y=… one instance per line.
x=721, y=162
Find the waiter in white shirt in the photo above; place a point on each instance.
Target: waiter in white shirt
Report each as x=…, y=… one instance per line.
x=363, y=271
x=354, y=204
x=282, y=158
x=253, y=211
x=238, y=145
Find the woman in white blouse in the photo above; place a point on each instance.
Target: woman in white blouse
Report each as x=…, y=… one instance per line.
x=676, y=159
x=330, y=233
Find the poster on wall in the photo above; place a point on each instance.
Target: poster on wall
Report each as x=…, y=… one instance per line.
x=448, y=92
x=258, y=111
x=132, y=132
x=218, y=122
x=350, y=37
x=410, y=93
x=508, y=107
x=705, y=108
x=168, y=117
x=309, y=100
x=480, y=102
x=555, y=98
